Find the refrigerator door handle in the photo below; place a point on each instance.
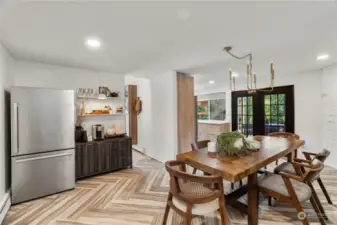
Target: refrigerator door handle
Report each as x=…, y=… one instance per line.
x=15, y=129
x=42, y=157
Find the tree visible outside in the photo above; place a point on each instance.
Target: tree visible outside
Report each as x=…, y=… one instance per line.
x=274, y=109
x=202, y=111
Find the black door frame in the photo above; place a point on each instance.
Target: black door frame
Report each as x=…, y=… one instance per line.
x=258, y=108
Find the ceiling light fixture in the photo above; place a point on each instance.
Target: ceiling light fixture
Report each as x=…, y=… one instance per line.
x=211, y=82
x=93, y=43
x=251, y=77
x=324, y=56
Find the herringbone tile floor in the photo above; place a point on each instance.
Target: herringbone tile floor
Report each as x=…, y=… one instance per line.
x=138, y=196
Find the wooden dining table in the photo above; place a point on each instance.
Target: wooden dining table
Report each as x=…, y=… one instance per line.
x=235, y=168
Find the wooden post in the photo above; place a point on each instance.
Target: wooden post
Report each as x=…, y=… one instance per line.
x=186, y=112
x=133, y=128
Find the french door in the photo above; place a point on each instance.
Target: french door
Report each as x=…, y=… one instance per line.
x=262, y=113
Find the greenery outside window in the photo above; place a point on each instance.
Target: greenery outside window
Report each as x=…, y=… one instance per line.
x=211, y=106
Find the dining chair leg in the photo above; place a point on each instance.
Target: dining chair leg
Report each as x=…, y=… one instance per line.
x=320, y=182
x=317, y=210
x=167, y=209
x=194, y=171
x=188, y=219
x=299, y=209
x=240, y=183
x=232, y=186
x=270, y=201
x=276, y=161
x=318, y=203
x=222, y=211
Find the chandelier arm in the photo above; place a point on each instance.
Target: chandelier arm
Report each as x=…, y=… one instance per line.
x=239, y=57
x=251, y=78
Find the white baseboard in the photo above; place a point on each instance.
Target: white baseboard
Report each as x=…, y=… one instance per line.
x=138, y=148
x=4, y=206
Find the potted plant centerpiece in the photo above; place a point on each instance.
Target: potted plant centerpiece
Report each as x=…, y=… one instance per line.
x=235, y=144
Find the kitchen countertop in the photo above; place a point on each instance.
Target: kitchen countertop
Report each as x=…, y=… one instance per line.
x=100, y=141
x=213, y=121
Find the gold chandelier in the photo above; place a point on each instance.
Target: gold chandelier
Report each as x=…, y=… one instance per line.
x=251, y=77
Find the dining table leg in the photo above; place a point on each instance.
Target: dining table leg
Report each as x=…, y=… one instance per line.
x=253, y=200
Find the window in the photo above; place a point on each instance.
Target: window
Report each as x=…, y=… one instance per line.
x=211, y=106
x=274, y=110
x=245, y=115
x=203, y=110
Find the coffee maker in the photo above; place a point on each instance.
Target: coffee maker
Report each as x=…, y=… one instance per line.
x=98, y=132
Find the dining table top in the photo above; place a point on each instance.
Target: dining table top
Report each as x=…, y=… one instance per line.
x=235, y=168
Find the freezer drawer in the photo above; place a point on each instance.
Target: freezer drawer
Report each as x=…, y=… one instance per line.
x=37, y=175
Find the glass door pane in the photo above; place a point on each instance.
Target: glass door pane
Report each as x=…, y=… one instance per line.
x=245, y=115
x=274, y=113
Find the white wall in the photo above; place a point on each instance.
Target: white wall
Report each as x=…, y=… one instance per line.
x=32, y=74
x=157, y=123
x=329, y=113
x=145, y=117
x=157, y=126
x=307, y=103
x=164, y=116
x=6, y=63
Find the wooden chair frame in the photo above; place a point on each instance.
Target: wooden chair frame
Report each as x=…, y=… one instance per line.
x=305, y=177
x=213, y=182
x=322, y=157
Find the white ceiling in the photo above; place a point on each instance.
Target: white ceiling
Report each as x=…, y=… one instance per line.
x=146, y=37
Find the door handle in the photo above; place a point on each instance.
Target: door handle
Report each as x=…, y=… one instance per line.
x=42, y=157
x=15, y=128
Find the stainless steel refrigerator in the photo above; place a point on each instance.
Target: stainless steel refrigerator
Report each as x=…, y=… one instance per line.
x=42, y=146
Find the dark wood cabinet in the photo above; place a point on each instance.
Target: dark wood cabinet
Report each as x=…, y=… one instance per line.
x=103, y=156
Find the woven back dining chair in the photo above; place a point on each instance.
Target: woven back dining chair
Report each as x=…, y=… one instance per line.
x=285, y=135
x=191, y=195
x=294, y=189
x=200, y=145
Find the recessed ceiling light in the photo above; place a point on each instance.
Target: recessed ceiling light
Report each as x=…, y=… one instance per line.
x=211, y=82
x=323, y=56
x=93, y=43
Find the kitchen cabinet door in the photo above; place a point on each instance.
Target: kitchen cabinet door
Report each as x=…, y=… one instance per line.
x=114, y=155
x=79, y=161
x=88, y=164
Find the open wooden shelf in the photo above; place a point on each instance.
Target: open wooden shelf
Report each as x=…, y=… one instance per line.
x=103, y=115
x=96, y=98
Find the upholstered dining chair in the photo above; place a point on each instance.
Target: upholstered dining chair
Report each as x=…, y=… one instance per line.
x=290, y=169
x=294, y=189
x=191, y=195
x=284, y=135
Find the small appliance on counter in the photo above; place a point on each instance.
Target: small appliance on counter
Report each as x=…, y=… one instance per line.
x=98, y=132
